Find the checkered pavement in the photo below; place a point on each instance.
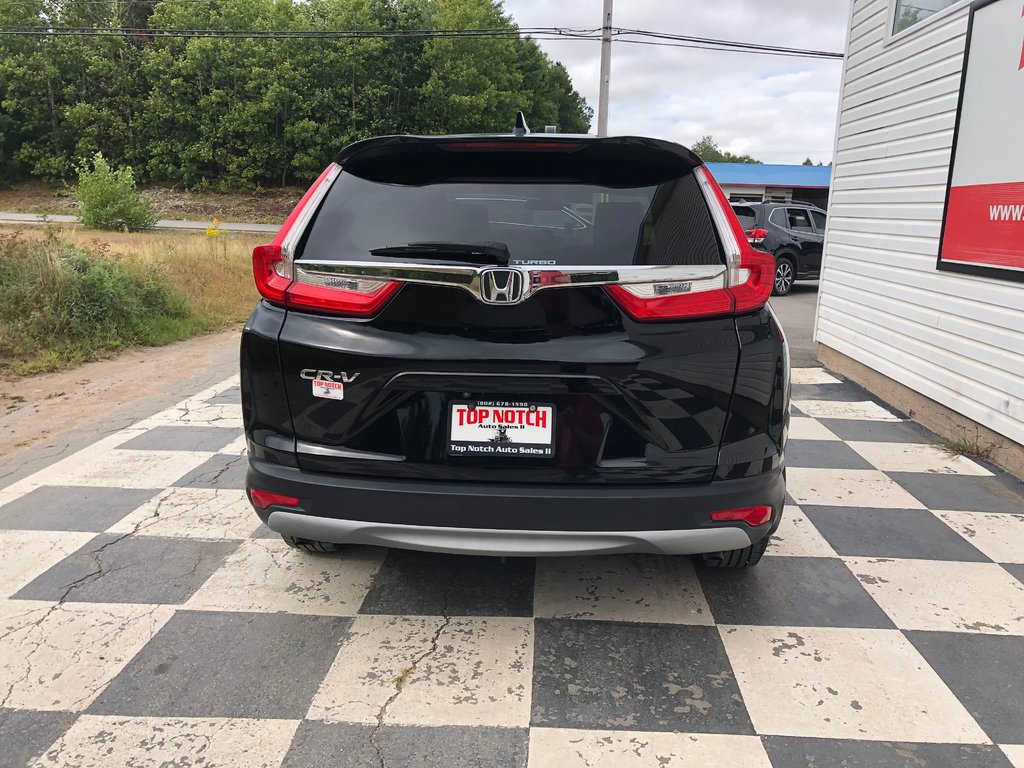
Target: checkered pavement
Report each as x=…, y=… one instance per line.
x=148, y=618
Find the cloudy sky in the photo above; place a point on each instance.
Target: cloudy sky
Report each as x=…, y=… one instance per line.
x=780, y=110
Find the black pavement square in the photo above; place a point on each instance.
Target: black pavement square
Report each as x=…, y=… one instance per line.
x=229, y=396
x=641, y=677
x=858, y=430
x=186, y=437
x=263, y=532
x=426, y=584
x=914, y=534
x=227, y=664
x=824, y=454
x=349, y=746
x=966, y=493
x=25, y=735
x=220, y=471
x=797, y=752
x=791, y=591
x=72, y=508
x=133, y=569
x=985, y=672
x=842, y=392
x=1015, y=569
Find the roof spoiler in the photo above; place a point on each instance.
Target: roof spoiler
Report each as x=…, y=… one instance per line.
x=609, y=161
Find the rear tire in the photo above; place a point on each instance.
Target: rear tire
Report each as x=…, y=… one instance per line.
x=785, y=275
x=309, y=545
x=736, y=558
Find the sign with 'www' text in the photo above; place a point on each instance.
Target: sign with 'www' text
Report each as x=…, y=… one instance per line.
x=983, y=229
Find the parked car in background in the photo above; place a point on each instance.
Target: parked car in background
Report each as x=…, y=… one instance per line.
x=517, y=345
x=792, y=232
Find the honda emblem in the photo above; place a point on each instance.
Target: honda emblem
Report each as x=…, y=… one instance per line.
x=501, y=286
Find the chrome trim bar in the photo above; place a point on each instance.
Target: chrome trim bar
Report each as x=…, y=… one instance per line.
x=471, y=278
x=721, y=221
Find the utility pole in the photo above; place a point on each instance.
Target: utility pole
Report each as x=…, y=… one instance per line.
x=606, y=69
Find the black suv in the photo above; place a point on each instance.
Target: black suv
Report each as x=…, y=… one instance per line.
x=792, y=232
x=516, y=345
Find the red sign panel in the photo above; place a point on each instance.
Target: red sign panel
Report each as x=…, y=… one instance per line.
x=983, y=229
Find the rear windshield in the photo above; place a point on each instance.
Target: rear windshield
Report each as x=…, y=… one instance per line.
x=746, y=215
x=546, y=223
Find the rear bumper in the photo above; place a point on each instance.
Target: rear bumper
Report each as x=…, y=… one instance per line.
x=479, y=518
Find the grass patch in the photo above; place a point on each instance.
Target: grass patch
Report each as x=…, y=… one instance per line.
x=971, y=446
x=70, y=297
x=403, y=678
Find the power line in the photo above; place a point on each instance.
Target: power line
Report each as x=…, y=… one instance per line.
x=726, y=44
x=57, y=31
x=536, y=33
x=735, y=49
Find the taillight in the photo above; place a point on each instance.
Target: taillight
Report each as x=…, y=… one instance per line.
x=748, y=515
x=273, y=273
x=755, y=236
x=744, y=286
x=357, y=298
x=672, y=301
x=280, y=283
x=753, y=283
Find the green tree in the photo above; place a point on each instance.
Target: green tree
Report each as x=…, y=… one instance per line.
x=547, y=96
x=244, y=112
x=707, y=148
x=474, y=83
x=70, y=96
x=808, y=161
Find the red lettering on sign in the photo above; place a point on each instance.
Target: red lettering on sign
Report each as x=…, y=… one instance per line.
x=542, y=418
x=1022, y=44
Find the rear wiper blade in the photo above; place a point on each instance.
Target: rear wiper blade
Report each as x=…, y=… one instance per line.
x=476, y=253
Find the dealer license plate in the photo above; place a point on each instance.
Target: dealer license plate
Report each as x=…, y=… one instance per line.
x=498, y=428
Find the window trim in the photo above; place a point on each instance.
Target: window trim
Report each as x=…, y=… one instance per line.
x=890, y=22
x=807, y=213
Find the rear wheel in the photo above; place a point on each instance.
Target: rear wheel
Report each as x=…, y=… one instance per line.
x=785, y=275
x=736, y=558
x=309, y=545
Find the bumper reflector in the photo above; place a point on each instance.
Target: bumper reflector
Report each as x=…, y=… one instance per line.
x=263, y=499
x=748, y=515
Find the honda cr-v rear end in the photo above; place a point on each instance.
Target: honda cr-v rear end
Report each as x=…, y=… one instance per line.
x=516, y=345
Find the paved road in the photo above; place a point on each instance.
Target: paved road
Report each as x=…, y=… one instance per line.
x=796, y=313
x=35, y=219
x=147, y=617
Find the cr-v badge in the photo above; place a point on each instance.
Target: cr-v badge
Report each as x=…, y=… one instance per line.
x=328, y=383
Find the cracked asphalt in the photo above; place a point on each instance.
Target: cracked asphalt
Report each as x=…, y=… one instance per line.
x=147, y=618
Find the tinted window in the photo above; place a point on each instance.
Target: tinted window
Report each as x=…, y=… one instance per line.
x=798, y=220
x=778, y=218
x=746, y=215
x=560, y=223
x=819, y=221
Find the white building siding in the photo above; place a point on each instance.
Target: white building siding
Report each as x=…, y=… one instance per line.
x=955, y=338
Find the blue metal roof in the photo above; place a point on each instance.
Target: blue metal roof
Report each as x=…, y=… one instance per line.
x=772, y=175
